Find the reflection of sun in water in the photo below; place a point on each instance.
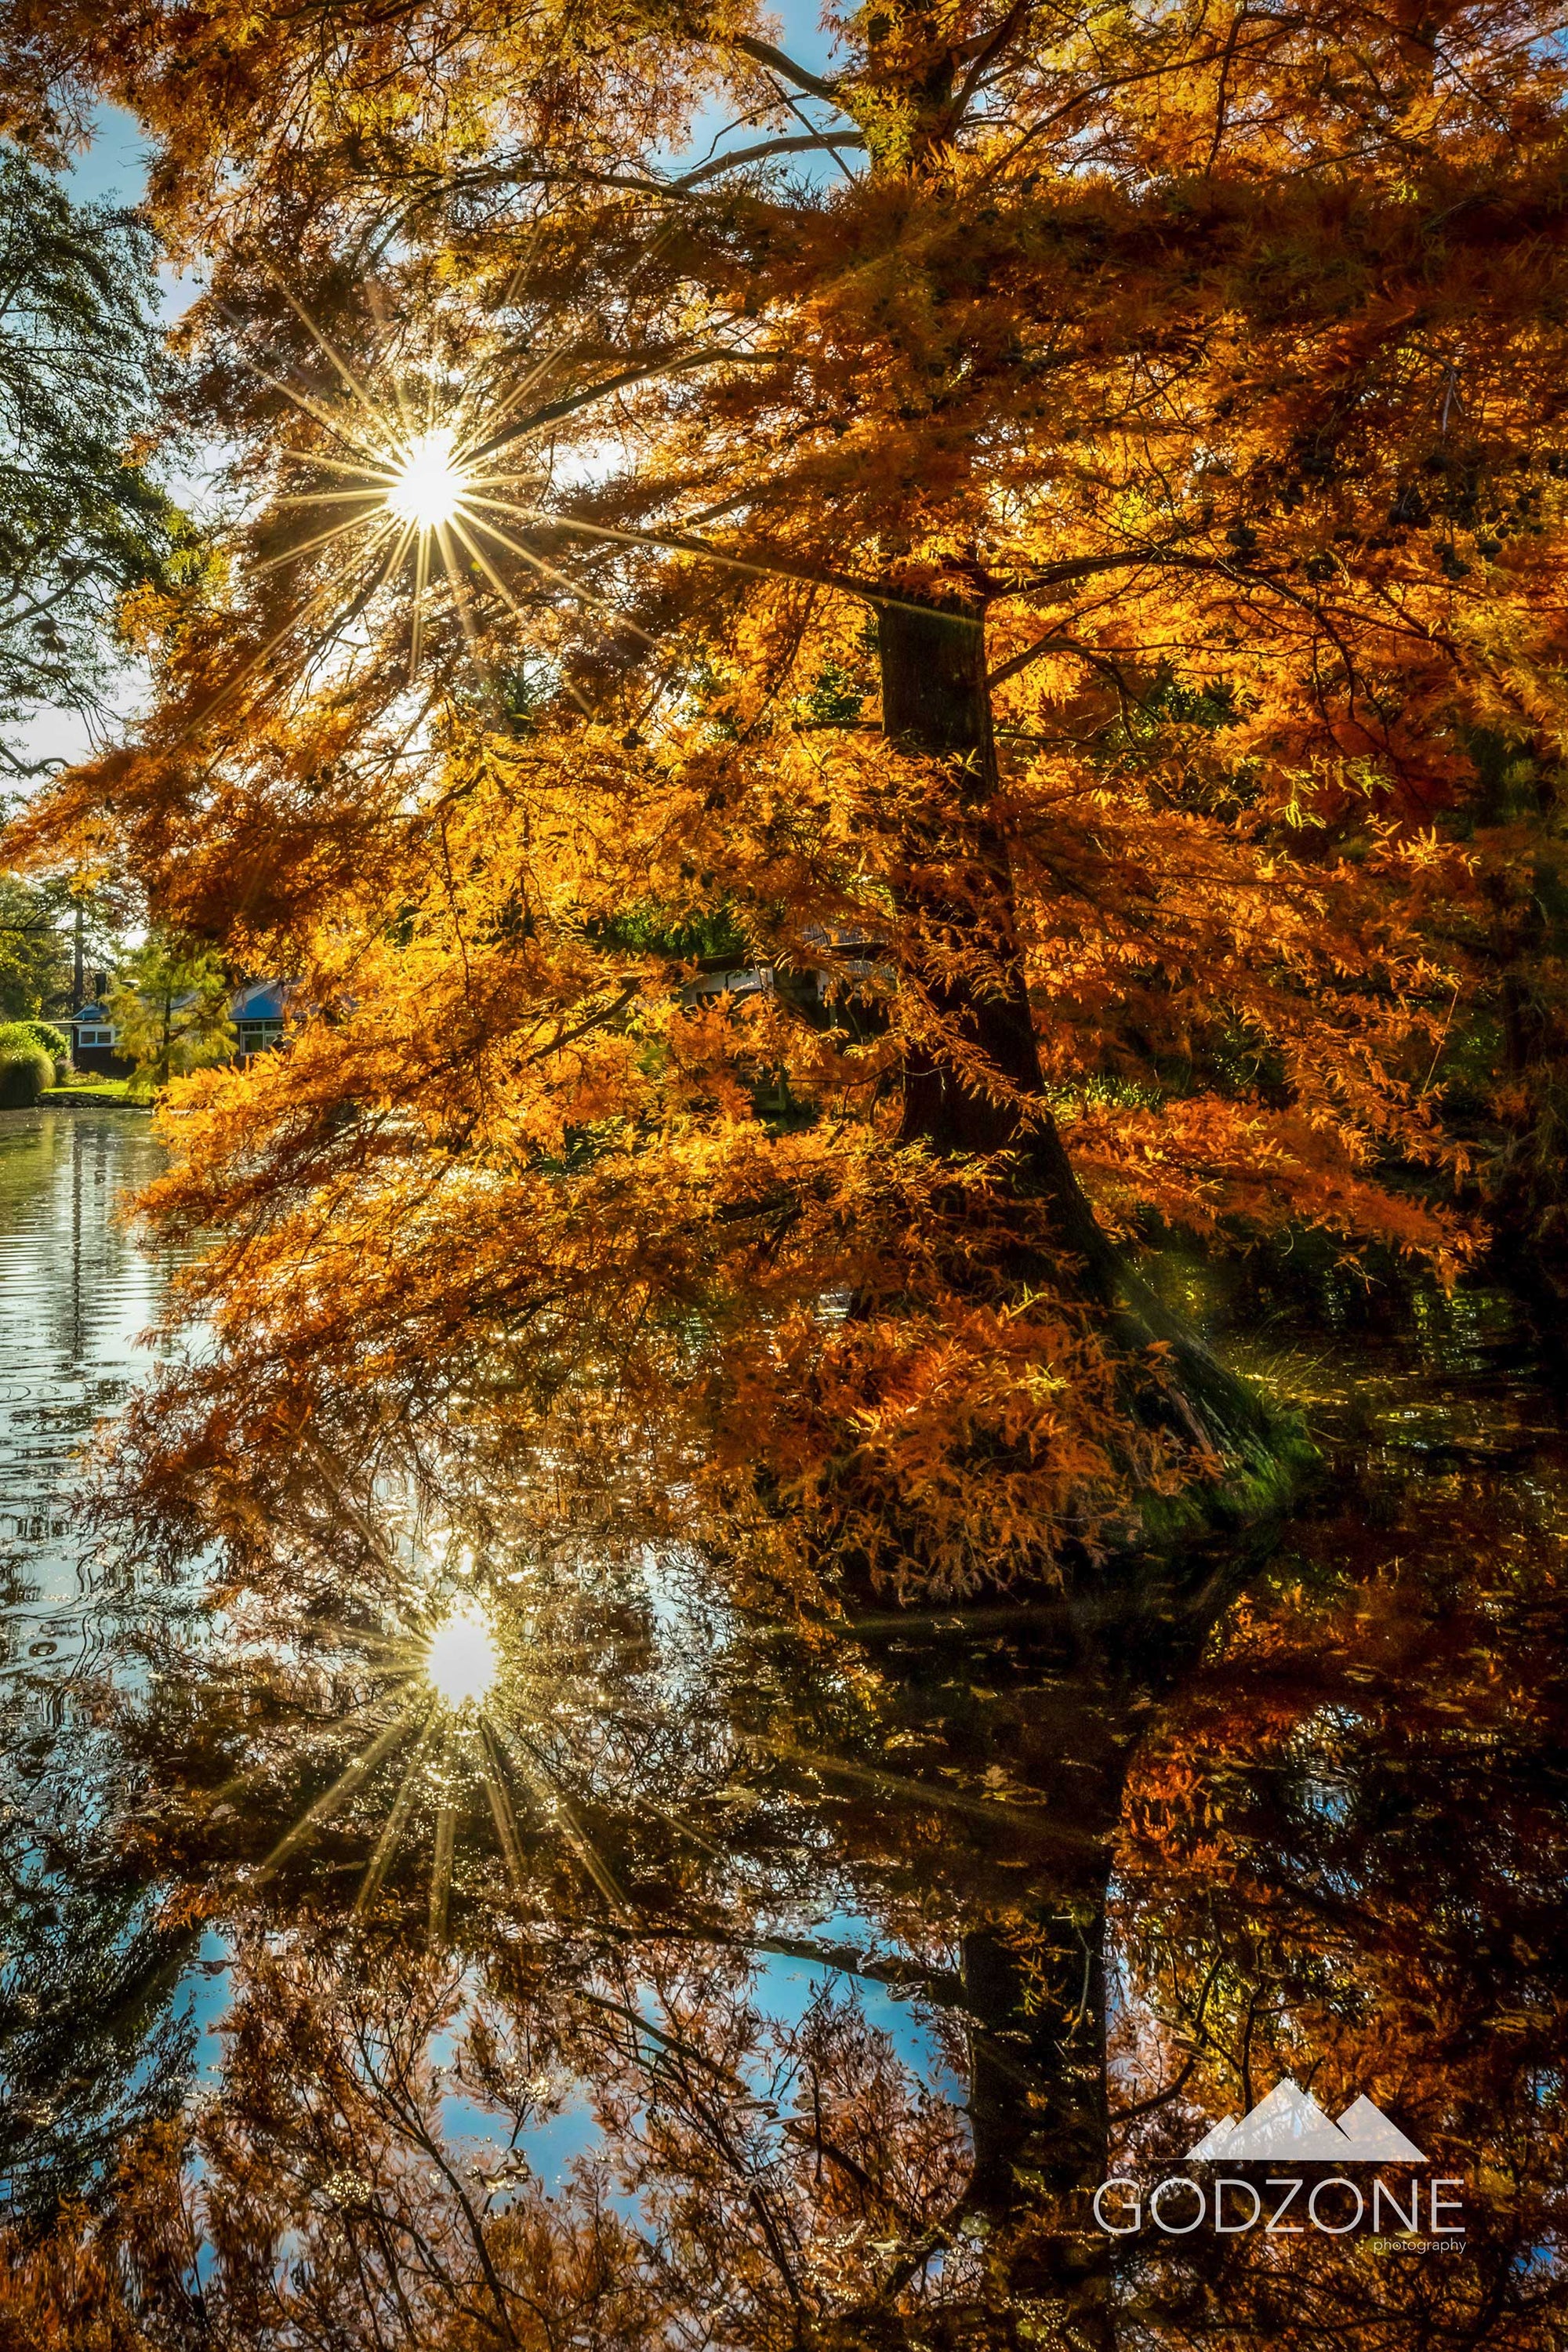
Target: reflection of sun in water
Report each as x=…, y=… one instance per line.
x=460, y=1663
x=430, y=481
x=466, y=1710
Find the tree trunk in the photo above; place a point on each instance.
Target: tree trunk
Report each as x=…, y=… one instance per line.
x=1038, y=2115
x=936, y=703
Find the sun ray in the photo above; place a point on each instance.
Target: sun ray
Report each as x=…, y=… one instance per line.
x=324, y=596
x=341, y=364
x=501, y=1809
x=322, y=538
x=404, y=538
x=333, y=498
x=441, y=1870
x=679, y=1823
x=248, y=1775
x=395, y=1822
x=378, y=313
x=527, y=383
x=303, y=400
x=489, y=480
x=464, y=605
x=561, y=578
x=493, y=576
x=366, y=471
x=460, y=597
x=675, y=542
x=417, y=629
x=563, y=347
x=507, y=408
x=668, y=544
x=552, y=1797
x=375, y=580
x=342, y=1790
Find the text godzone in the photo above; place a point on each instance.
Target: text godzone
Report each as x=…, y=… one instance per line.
x=1168, y=2194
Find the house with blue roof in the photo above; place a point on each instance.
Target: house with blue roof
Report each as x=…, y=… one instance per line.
x=93, y=1041
x=255, y=1010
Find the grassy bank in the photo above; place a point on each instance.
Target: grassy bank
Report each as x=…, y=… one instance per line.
x=93, y=1090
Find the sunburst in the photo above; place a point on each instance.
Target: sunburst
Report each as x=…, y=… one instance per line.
x=429, y=485
x=465, y=1692
x=460, y=1659
x=431, y=477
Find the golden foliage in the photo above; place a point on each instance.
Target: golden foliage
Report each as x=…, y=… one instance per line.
x=1178, y=395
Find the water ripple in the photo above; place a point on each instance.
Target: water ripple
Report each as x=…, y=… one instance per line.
x=76, y=1295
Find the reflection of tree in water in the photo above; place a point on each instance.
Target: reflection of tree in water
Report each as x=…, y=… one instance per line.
x=93, y=2046
x=926, y=1806
x=703, y=1798
x=1346, y=1863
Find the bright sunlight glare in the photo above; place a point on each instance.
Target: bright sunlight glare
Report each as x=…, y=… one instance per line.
x=461, y=1663
x=429, y=482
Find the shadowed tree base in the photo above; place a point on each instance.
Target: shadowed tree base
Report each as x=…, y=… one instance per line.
x=936, y=704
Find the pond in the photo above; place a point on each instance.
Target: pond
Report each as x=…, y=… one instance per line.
x=422, y=1936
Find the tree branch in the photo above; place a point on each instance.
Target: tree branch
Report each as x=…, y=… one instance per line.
x=567, y=405
x=990, y=46
x=1030, y=654
x=791, y=145
x=763, y=53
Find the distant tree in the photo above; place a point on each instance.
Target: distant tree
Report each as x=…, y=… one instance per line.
x=53, y=935
x=34, y=951
x=82, y=366
x=170, y=1011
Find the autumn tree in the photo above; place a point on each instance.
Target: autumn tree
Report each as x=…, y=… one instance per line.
x=1298, y=1889
x=794, y=2167
x=849, y=731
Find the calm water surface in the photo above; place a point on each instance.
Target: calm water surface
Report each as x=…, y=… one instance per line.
x=728, y=1984
x=75, y=1297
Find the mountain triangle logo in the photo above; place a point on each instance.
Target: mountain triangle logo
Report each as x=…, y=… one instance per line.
x=1289, y=2125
